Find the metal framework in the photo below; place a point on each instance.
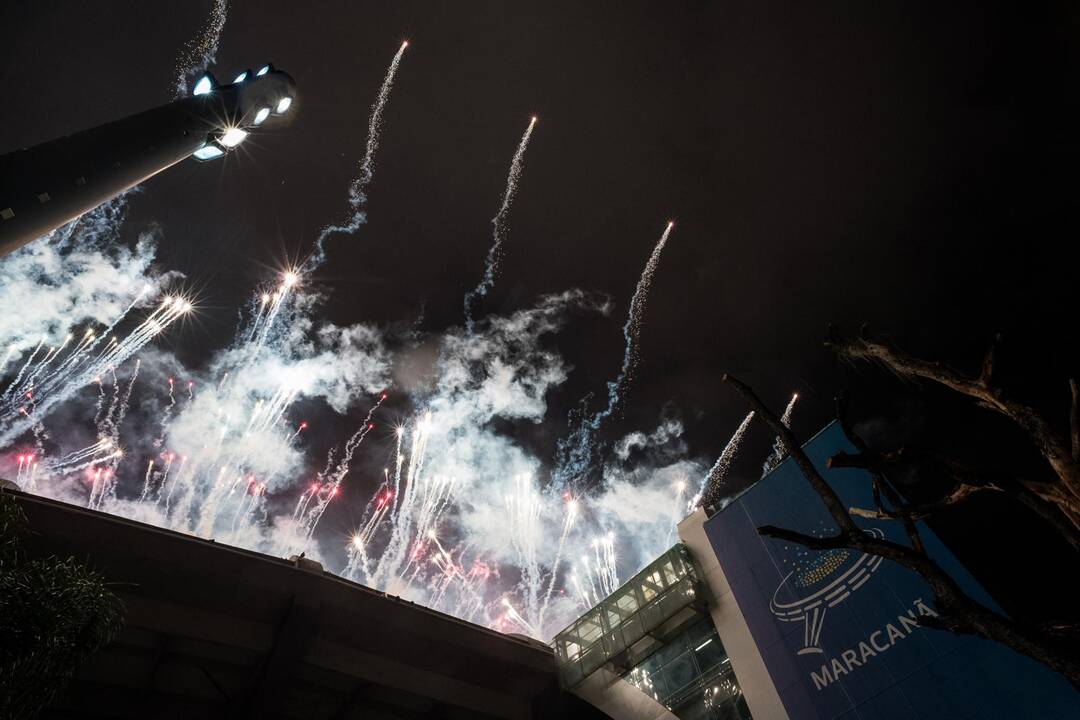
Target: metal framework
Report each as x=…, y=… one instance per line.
x=632, y=622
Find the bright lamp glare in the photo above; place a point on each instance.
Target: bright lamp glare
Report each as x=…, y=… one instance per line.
x=208, y=153
x=283, y=104
x=241, y=77
x=204, y=86
x=263, y=70
x=232, y=137
x=261, y=116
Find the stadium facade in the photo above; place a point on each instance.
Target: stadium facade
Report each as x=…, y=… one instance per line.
x=729, y=624
x=214, y=631
x=725, y=625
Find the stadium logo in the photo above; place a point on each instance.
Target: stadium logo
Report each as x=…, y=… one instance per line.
x=821, y=582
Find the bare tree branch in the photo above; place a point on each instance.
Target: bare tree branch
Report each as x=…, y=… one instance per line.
x=881, y=485
x=1062, y=457
x=795, y=451
x=964, y=485
x=1074, y=419
x=987, y=374
x=1047, y=501
x=924, y=510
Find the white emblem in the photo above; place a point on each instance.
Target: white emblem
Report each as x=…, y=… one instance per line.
x=827, y=583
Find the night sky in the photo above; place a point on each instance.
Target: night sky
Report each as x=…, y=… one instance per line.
x=913, y=166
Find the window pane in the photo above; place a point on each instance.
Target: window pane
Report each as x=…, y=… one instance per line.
x=680, y=672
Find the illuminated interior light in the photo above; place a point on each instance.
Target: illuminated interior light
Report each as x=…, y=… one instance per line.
x=263, y=70
x=241, y=77
x=261, y=116
x=283, y=104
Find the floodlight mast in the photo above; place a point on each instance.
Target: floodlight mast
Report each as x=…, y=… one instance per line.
x=48, y=185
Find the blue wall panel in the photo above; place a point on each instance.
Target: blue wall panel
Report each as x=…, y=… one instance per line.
x=836, y=630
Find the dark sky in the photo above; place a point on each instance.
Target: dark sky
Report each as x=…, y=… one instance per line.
x=909, y=165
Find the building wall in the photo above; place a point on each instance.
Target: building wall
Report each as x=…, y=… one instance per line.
x=753, y=676
x=617, y=698
x=835, y=635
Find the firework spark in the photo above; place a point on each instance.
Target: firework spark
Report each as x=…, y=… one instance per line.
x=500, y=227
x=710, y=486
x=777, y=453
x=201, y=50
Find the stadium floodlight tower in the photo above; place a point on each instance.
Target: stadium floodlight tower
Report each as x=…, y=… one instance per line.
x=48, y=185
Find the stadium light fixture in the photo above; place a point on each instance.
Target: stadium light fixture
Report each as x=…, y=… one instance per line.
x=209, y=152
x=204, y=86
x=232, y=137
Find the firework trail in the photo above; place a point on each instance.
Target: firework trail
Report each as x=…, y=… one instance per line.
x=215, y=492
x=201, y=50
x=114, y=418
x=678, y=509
x=523, y=508
x=109, y=434
x=574, y=454
x=600, y=572
x=420, y=506
x=359, y=187
x=500, y=227
x=328, y=484
x=84, y=457
x=710, y=486
x=469, y=583
x=571, y=515
x=104, y=459
x=7, y=356
x=17, y=383
x=777, y=453
x=377, y=510
x=263, y=326
x=26, y=473
x=23, y=399
x=165, y=415
x=514, y=616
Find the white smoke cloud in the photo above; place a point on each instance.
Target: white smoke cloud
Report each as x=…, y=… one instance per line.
x=207, y=445
x=668, y=430
x=504, y=372
x=208, y=460
x=76, y=275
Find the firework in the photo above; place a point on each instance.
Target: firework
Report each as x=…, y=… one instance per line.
x=710, y=486
x=575, y=452
x=777, y=453
x=201, y=50
x=358, y=189
x=499, y=226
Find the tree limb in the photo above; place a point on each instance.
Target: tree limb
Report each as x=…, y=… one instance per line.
x=920, y=511
x=1074, y=419
x=1060, y=456
x=828, y=496
x=881, y=484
